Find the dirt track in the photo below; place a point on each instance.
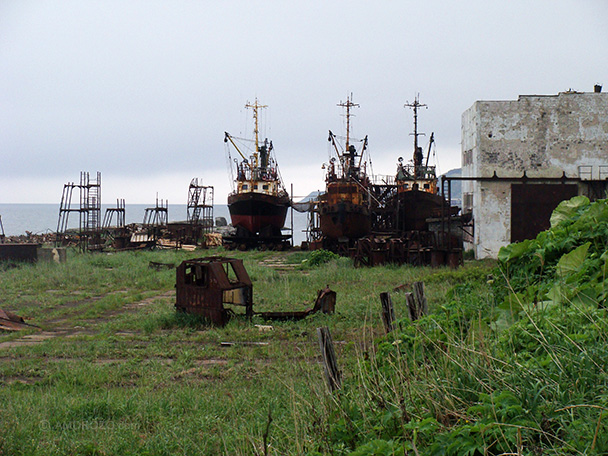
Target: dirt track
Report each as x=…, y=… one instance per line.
x=58, y=327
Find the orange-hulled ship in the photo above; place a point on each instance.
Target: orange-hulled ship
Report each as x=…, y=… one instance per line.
x=344, y=211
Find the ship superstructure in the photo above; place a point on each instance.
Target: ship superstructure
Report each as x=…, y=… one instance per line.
x=418, y=175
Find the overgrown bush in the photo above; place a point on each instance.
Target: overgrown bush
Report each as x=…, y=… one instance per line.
x=319, y=257
x=568, y=262
x=511, y=365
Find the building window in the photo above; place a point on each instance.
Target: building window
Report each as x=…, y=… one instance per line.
x=467, y=157
x=467, y=201
x=255, y=186
x=245, y=186
x=265, y=187
x=585, y=172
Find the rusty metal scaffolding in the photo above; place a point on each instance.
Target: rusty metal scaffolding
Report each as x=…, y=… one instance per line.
x=120, y=213
x=158, y=215
x=117, y=235
x=88, y=209
x=200, y=205
x=156, y=220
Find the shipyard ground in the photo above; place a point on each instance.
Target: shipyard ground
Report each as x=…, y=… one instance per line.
x=114, y=370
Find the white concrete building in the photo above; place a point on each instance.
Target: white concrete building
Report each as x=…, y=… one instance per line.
x=541, y=150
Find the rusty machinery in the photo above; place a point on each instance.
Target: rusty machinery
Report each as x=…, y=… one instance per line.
x=416, y=228
x=204, y=286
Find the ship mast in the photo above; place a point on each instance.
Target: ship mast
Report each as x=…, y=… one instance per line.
x=348, y=104
x=417, y=151
x=255, y=106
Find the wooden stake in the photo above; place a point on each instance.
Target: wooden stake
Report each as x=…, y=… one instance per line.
x=388, y=312
x=330, y=366
x=411, y=305
x=421, y=304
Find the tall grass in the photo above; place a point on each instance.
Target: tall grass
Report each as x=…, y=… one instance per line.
x=125, y=375
x=455, y=382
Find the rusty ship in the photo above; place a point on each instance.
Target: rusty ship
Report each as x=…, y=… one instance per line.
x=417, y=192
x=375, y=219
x=344, y=210
x=258, y=203
x=411, y=222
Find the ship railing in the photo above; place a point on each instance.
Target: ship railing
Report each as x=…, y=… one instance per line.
x=383, y=179
x=409, y=172
x=265, y=174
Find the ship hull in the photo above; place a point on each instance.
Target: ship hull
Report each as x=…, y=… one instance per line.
x=258, y=214
x=415, y=207
x=344, y=220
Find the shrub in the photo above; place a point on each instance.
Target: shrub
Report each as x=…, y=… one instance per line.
x=318, y=257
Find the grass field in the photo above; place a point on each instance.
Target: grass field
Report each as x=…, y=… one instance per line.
x=113, y=369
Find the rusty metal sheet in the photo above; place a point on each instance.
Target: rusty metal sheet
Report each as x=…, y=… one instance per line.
x=19, y=252
x=325, y=302
x=160, y=266
x=11, y=322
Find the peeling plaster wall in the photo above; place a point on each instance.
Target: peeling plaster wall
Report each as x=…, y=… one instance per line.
x=544, y=136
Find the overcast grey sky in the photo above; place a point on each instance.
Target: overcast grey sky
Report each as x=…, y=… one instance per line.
x=144, y=90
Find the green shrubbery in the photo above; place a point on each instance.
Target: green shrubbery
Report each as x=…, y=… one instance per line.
x=511, y=365
x=318, y=257
x=567, y=263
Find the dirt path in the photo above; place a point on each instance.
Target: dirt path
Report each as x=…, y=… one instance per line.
x=279, y=263
x=66, y=327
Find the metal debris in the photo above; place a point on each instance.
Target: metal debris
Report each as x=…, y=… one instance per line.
x=325, y=302
x=205, y=285
x=11, y=322
x=19, y=252
x=160, y=266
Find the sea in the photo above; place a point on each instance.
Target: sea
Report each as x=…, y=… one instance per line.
x=17, y=219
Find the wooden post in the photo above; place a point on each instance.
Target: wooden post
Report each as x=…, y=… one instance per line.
x=388, y=312
x=411, y=305
x=330, y=366
x=421, y=304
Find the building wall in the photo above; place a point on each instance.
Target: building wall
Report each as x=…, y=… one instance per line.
x=543, y=136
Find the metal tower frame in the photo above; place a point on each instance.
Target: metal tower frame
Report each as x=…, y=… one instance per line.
x=89, y=210
x=200, y=205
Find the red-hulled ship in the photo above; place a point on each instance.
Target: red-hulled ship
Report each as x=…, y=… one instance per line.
x=344, y=212
x=258, y=203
